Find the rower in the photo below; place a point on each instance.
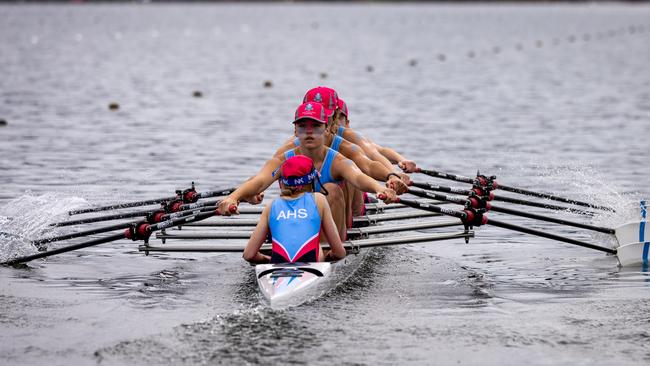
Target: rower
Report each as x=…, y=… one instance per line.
x=341, y=128
x=296, y=220
x=309, y=126
x=378, y=170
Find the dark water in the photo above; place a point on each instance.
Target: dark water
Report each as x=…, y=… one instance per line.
x=548, y=97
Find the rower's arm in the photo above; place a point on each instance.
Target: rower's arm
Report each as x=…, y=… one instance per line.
x=388, y=153
x=369, y=167
x=337, y=250
x=252, y=251
x=405, y=164
x=288, y=145
x=252, y=187
x=367, y=147
x=346, y=169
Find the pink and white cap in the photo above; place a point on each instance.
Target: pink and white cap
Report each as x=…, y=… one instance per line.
x=325, y=96
x=310, y=110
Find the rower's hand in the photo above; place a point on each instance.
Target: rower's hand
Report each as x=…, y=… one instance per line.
x=387, y=195
x=405, y=178
x=228, y=206
x=256, y=199
x=396, y=184
x=408, y=166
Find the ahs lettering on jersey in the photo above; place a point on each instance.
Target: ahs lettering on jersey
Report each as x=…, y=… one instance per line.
x=295, y=230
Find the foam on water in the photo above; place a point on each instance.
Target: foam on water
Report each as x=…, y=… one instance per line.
x=28, y=217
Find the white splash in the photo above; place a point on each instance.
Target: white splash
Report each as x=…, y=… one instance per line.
x=28, y=217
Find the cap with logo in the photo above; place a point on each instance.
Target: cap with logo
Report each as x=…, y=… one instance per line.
x=313, y=111
x=298, y=170
x=325, y=96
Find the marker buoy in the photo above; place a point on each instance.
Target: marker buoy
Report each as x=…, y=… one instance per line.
x=3, y=122
x=197, y=94
x=268, y=84
x=413, y=62
x=113, y=106
x=323, y=75
x=369, y=68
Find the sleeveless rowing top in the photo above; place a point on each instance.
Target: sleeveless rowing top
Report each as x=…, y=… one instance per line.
x=325, y=170
x=295, y=229
x=336, y=142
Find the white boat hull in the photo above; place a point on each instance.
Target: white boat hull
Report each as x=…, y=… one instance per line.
x=291, y=284
x=633, y=254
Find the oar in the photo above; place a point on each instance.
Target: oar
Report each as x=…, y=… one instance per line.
x=352, y=246
x=141, y=231
x=352, y=232
x=187, y=196
x=474, y=218
x=466, y=192
x=175, y=207
x=491, y=207
x=359, y=221
x=460, y=178
x=152, y=219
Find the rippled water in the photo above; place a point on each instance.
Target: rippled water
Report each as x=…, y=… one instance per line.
x=547, y=97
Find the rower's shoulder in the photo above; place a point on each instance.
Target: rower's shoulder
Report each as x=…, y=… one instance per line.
x=352, y=135
x=321, y=200
x=347, y=147
x=286, y=146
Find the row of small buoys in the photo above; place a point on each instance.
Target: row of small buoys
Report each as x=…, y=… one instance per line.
x=3, y=122
x=519, y=46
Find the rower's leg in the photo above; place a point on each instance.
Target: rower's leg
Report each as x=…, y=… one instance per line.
x=336, y=200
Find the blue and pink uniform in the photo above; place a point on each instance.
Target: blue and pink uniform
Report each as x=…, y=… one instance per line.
x=295, y=229
x=325, y=169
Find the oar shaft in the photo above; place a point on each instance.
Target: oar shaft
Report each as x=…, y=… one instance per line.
x=83, y=233
x=121, y=205
x=517, y=201
x=126, y=215
x=552, y=219
x=460, y=178
x=552, y=197
x=89, y=220
x=549, y=236
x=530, y=215
x=64, y=249
x=207, y=194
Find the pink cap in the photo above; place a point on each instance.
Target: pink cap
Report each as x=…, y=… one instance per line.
x=297, y=170
x=325, y=96
x=313, y=111
x=343, y=107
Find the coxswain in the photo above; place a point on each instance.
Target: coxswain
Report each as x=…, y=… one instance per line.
x=309, y=126
x=296, y=220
